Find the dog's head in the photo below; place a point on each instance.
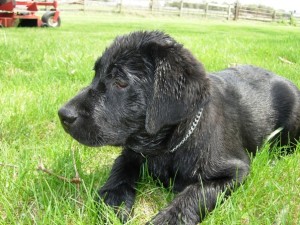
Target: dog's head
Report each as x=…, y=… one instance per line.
x=143, y=82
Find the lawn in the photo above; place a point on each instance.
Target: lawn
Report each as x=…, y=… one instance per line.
x=40, y=69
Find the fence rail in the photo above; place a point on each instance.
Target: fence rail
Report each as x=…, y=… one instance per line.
x=182, y=8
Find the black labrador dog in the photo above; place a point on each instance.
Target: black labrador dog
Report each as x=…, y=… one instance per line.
x=153, y=98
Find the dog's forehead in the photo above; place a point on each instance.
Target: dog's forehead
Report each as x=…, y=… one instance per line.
x=125, y=46
x=116, y=55
x=130, y=54
x=119, y=65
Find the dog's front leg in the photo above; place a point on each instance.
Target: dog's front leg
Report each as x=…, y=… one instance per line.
x=119, y=190
x=191, y=205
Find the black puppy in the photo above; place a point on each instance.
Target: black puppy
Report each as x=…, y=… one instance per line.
x=153, y=98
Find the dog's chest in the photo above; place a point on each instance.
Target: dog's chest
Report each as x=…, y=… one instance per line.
x=170, y=170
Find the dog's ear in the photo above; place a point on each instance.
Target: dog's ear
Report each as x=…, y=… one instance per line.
x=180, y=83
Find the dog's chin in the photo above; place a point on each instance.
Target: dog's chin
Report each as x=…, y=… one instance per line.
x=95, y=141
x=87, y=141
x=90, y=143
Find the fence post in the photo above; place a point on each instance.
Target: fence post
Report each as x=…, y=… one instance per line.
x=121, y=6
x=236, y=10
x=229, y=9
x=151, y=6
x=81, y=4
x=274, y=16
x=181, y=8
x=206, y=10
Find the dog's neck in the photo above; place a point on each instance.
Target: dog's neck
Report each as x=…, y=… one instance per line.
x=147, y=145
x=190, y=131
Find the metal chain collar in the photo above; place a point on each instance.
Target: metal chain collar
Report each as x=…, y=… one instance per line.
x=191, y=130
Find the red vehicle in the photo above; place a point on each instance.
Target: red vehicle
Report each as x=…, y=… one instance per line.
x=22, y=14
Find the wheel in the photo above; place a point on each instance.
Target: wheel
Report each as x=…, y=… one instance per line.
x=2, y=2
x=47, y=19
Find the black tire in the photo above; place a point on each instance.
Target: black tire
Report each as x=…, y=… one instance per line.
x=47, y=19
x=6, y=1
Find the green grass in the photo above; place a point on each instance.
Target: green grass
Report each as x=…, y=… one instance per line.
x=40, y=69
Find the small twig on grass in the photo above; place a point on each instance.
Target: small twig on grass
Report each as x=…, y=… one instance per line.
x=8, y=165
x=76, y=180
x=42, y=168
x=285, y=60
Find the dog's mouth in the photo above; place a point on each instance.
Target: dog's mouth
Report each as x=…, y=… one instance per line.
x=66, y=127
x=86, y=138
x=95, y=142
x=73, y=124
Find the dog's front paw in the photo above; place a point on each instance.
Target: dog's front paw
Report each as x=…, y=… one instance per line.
x=120, y=199
x=166, y=217
x=174, y=216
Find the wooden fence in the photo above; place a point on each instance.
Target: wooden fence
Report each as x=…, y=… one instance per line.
x=182, y=8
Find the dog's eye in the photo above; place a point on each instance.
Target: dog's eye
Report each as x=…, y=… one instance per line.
x=120, y=84
x=101, y=87
x=92, y=92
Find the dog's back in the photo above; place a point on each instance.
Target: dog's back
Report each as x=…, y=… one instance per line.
x=260, y=101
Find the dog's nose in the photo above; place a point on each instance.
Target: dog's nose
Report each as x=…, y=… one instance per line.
x=67, y=116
